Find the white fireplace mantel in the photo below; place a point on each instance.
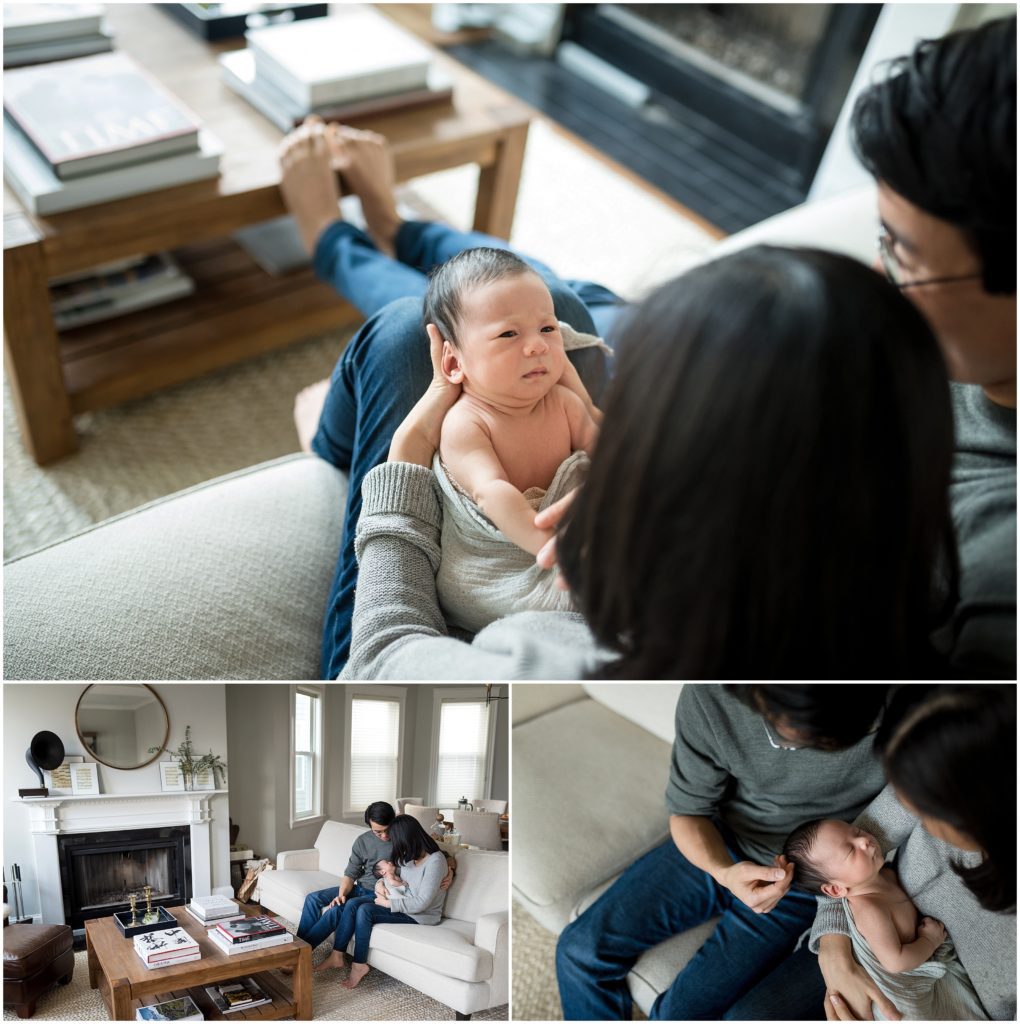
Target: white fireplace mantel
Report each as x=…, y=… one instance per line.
x=52, y=816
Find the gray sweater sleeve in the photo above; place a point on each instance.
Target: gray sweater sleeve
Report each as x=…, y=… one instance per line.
x=697, y=782
x=357, y=865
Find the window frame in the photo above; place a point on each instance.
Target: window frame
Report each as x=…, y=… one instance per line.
x=317, y=814
x=353, y=692
x=456, y=695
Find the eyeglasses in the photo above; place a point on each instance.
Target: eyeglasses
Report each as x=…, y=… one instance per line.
x=774, y=744
x=894, y=272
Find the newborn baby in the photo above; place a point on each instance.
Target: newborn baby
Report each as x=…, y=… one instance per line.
x=514, y=440
x=910, y=959
x=389, y=882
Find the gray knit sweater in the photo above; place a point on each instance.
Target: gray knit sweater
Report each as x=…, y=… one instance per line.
x=424, y=899
x=367, y=851
x=985, y=942
x=399, y=631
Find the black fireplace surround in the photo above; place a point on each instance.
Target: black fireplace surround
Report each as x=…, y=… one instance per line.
x=98, y=870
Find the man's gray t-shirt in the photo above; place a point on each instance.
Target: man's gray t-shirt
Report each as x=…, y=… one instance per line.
x=723, y=765
x=367, y=851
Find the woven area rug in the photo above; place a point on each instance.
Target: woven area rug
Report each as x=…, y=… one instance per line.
x=574, y=212
x=378, y=997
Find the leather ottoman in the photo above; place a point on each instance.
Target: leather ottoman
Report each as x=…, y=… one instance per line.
x=35, y=957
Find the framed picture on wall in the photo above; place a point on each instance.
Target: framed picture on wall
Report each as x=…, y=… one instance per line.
x=58, y=781
x=171, y=778
x=204, y=780
x=85, y=779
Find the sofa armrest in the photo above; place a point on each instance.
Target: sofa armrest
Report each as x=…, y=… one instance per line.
x=492, y=933
x=226, y=580
x=298, y=860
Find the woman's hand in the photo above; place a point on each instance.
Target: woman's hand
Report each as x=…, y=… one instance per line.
x=447, y=879
x=549, y=519
x=758, y=886
x=416, y=440
x=849, y=991
x=381, y=901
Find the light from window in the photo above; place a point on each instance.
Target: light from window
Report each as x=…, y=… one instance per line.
x=463, y=751
x=375, y=739
x=307, y=753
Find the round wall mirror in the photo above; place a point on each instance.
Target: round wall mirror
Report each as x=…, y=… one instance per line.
x=117, y=723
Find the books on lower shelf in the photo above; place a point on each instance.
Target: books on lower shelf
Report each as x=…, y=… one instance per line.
x=234, y=996
x=341, y=58
x=115, y=289
x=180, y=1009
x=97, y=113
x=43, y=193
x=167, y=948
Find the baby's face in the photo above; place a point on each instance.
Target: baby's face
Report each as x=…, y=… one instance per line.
x=510, y=349
x=846, y=855
x=385, y=867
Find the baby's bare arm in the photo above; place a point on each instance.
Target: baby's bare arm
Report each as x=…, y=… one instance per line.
x=875, y=921
x=584, y=430
x=468, y=453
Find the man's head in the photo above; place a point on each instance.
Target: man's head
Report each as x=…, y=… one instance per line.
x=939, y=135
x=827, y=716
x=501, y=338
x=832, y=857
x=378, y=817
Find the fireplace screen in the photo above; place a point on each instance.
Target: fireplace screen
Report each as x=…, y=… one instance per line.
x=108, y=879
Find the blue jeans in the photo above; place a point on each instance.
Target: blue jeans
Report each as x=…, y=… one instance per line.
x=385, y=368
x=661, y=895
x=314, y=925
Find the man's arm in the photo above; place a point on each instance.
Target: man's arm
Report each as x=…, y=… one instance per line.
x=755, y=885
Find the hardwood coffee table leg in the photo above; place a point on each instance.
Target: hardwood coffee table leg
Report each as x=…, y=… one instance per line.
x=120, y=997
x=498, y=184
x=93, y=961
x=302, y=980
x=32, y=349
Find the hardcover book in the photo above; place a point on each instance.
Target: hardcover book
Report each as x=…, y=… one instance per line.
x=183, y=1008
x=96, y=113
x=243, y=994
x=250, y=928
x=341, y=58
x=211, y=907
x=165, y=945
x=221, y=942
x=38, y=23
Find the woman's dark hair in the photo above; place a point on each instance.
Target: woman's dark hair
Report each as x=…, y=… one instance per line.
x=380, y=812
x=410, y=841
x=950, y=751
x=796, y=850
x=769, y=496
x=834, y=715
x=940, y=130
x=469, y=269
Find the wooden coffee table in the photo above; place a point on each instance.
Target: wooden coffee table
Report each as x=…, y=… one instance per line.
x=126, y=984
x=237, y=310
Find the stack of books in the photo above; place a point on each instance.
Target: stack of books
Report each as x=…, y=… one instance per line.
x=114, y=289
x=92, y=129
x=35, y=33
x=166, y=948
x=348, y=66
x=250, y=934
x=211, y=910
x=233, y=996
x=182, y=1008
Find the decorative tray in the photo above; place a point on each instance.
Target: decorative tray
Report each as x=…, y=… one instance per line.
x=230, y=20
x=123, y=919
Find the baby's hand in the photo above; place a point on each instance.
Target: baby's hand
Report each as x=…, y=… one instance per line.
x=934, y=931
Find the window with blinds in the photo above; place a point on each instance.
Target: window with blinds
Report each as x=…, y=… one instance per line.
x=375, y=751
x=463, y=751
x=306, y=799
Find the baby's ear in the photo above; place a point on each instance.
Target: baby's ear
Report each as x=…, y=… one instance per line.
x=452, y=369
x=834, y=889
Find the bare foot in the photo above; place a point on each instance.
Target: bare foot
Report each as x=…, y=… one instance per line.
x=365, y=160
x=308, y=405
x=308, y=180
x=358, y=971
x=335, y=959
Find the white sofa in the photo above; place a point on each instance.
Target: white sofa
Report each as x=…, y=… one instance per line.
x=463, y=962
x=589, y=775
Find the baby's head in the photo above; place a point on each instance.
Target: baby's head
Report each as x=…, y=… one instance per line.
x=383, y=868
x=832, y=857
x=501, y=338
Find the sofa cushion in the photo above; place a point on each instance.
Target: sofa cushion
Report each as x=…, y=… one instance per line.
x=650, y=705
x=593, y=808
x=296, y=885
x=479, y=886
x=28, y=948
x=447, y=948
x=227, y=580
x=334, y=844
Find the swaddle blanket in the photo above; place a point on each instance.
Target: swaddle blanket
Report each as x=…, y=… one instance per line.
x=937, y=990
x=482, y=575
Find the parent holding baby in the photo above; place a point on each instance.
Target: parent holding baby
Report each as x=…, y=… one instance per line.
x=949, y=753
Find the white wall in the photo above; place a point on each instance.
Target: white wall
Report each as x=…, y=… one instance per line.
x=31, y=708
